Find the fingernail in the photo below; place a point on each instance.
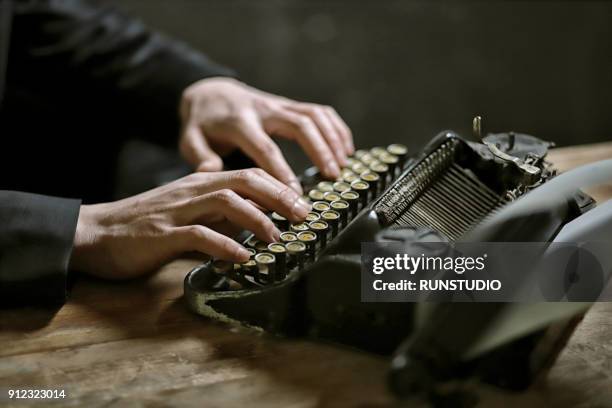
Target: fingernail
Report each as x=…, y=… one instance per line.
x=275, y=235
x=332, y=170
x=295, y=185
x=300, y=208
x=242, y=255
x=343, y=161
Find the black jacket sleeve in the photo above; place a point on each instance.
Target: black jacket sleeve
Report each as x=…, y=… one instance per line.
x=76, y=52
x=36, y=236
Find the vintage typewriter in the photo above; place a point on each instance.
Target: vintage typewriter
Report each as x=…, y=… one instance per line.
x=309, y=283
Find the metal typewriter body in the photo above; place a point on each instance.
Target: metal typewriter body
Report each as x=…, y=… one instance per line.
x=442, y=194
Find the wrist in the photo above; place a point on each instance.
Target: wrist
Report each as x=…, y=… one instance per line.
x=86, y=236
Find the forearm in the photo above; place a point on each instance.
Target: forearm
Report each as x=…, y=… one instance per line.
x=73, y=52
x=36, y=239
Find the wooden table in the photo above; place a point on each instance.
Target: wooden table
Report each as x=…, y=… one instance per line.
x=135, y=344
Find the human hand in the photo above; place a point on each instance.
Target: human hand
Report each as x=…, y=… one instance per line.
x=130, y=237
x=222, y=114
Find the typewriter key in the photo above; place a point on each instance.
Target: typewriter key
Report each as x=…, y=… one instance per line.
x=313, y=216
x=315, y=195
x=359, y=153
x=362, y=188
x=299, y=227
x=249, y=268
x=320, y=206
x=221, y=267
x=309, y=238
x=349, y=178
x=343, y=208
x=288, y=236
x=331, y=196
x=367, y=159
x=296, y=251
x=251, y=252
x=372, y=179
x=383, y=171
x=352, y=198
x=322, y=229
x=281, y=222
x=400, y=151
x=391, y=161
x=341, y=186
x=325, y=186
x=358, y=168
x=265, y=267
x=332, y=217
x=280, y=253
x=377, y=151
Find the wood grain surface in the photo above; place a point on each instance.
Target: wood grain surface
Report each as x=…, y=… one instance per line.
x=136, y=344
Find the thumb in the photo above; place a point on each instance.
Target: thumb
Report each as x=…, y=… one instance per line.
x=198, y=152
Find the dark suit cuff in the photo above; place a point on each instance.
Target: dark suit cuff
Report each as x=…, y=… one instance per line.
x=36, y=239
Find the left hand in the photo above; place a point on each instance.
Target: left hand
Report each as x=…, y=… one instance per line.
x=222, y=114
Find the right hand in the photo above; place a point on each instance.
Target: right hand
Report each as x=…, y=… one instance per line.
x=130, y=237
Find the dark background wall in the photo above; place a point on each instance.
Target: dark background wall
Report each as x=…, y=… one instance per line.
x=400, y=71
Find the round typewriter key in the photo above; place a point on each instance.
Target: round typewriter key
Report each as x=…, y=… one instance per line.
x=332, y=217
x=251, y=252
x=331, y=196
x=322, y=229
x=288, y=236
x=281, y=222
x=249, y=268
x=358, y=168
x=221, y=267
x=313, y=216
x=350, y=161
x=315, y=195
x=320, y=206
x=391, y=161
x=400, y=151
x=345, y=171
x=325, y=186
x=280, y=253
x=352, y=198
x=362, y=188
x=382, y=170
x=302, y=226
x=265, y=267
x=367, y=159
x=310, y=239
x=377, y=151
x=296, y=251
x=372, y=179
x=360, y=153
x=349, y=178
x=341, y=186
x=343, y=208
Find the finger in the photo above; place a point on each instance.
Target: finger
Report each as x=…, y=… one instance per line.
x=342, y=128
x=326, y=128
x=302, y=129
x=203, y=239
x=197, y=151
x=260, y=147
x=260, y=187
x=268, y=192
x=235, y=209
